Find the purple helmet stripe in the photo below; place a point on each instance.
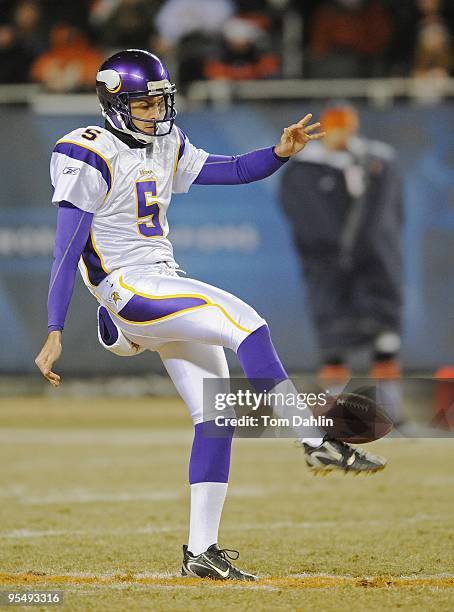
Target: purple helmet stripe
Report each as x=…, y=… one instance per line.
x=140, y=309
x=88, y=156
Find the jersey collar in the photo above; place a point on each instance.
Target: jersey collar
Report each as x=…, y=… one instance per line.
x=131, y=142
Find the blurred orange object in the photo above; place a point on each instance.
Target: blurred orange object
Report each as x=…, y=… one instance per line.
x=70, y=64
x=339, y=117
x=334, y=374
x=385, y=370
x=443, y=407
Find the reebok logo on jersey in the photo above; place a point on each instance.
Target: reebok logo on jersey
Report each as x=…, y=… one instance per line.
x=71, y=170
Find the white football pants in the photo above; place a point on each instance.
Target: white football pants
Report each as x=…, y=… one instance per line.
x=186, y=321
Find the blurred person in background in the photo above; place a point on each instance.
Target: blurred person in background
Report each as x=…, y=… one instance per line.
x=188, y=31
x=243, y=53
x=22, y=39
x=15, y=59
x=129, y=25
x=343, y=198
x=267, y=14
x=349, y=39
x=68, y=11
x=30, y=27
x=69, y=64
x=180, y=18
x=433, y=52
x=415, y=34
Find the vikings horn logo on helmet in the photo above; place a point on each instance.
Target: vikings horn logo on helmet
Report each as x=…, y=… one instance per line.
x=111, y=78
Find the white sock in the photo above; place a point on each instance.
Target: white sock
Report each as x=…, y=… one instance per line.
x=207, y=500
x=312, y=441
x=287, y=388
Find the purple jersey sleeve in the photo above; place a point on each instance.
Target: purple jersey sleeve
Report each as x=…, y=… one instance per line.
x=238, y=169
x=73, y=228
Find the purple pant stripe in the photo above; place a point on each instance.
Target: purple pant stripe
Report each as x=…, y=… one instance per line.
x=140, y=309
x=210, y=455
x=260, y=362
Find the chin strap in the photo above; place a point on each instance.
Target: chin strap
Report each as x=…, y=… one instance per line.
x=141, y=138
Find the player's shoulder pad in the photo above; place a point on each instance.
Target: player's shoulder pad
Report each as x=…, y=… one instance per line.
x=92, y=138
x=92, y=145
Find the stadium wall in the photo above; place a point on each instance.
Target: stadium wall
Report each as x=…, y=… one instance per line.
x=234, y=237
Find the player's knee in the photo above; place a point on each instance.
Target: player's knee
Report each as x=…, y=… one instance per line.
x=241, y=334
x=111, y=337
x=256, y=322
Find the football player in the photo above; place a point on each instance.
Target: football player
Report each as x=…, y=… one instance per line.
x=113, y=186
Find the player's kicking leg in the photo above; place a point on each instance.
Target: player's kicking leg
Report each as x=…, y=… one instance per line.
x=185, y=309
x=323, y=453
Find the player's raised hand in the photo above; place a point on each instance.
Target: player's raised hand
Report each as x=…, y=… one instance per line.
x=48, y=355
x=295, y=137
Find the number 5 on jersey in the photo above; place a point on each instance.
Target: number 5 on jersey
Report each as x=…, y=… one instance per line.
x=147, y=209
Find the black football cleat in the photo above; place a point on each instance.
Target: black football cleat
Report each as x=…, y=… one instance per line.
x=334, y=454
x=213, y=563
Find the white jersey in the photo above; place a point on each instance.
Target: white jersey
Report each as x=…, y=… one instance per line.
x=127, y=190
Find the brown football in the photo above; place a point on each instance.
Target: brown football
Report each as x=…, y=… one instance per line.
x=356, y=418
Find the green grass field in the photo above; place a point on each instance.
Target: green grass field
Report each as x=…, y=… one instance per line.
x=94, y=502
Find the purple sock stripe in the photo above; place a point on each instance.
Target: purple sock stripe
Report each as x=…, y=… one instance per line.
x=87, y=156
x=141, y=309
x=210, y=455
x=92, y=262
x=259, y=360
x=107, y=328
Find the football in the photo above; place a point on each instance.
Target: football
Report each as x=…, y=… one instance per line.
x=357, y=417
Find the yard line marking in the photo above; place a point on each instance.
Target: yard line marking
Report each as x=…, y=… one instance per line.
x=305, y=581
x=43, y=533
x=84, y=496
x=89, y=497
x=99, y=437
x=37, y=533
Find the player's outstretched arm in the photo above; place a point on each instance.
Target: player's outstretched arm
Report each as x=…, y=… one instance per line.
x=296, y=136
x=261, y=163
x=73, y=228
x=48, y=355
